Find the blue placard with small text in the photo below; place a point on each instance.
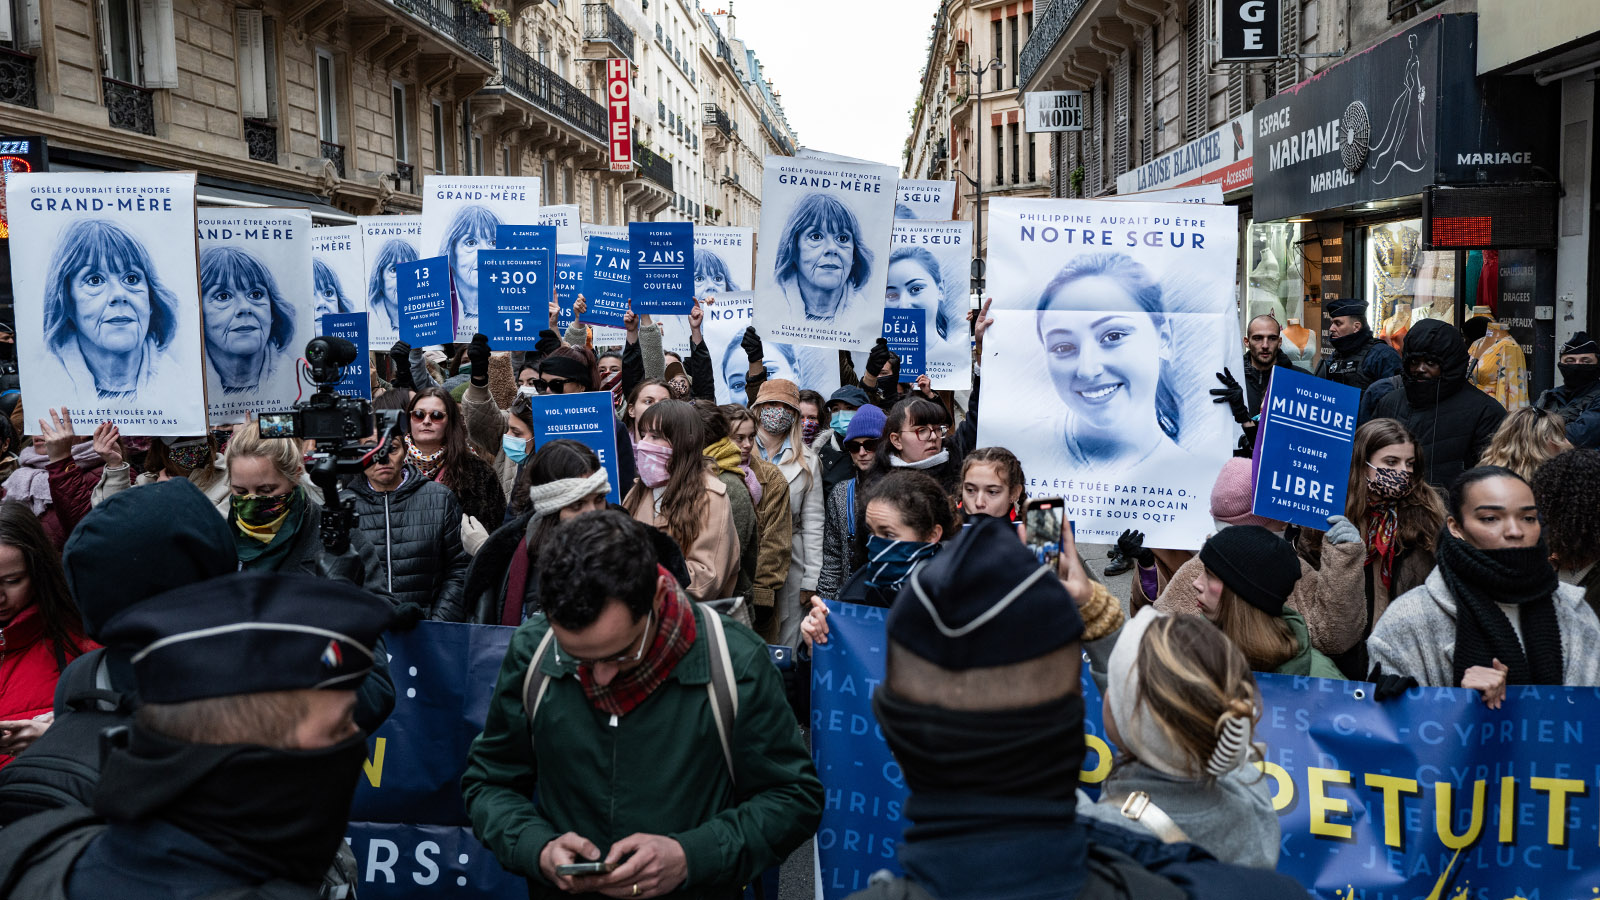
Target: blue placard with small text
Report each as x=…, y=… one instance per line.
x=905, y=330
x=662, y=267
x=515, y=289
x=525, y=237
x=354, y=380
x=586, y=418
x=1308, y=427
x=605, y=282
x=569, y=284
x=426, y=317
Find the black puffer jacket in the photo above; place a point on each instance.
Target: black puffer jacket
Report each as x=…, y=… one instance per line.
x=1452, y=420
x=416, y=531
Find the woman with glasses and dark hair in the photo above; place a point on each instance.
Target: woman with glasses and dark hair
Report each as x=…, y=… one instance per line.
x=249, y=324
x=821, y=266
x=436, y=444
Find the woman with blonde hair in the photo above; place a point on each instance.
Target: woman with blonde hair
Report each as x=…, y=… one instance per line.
x=1246, y=576
x=1181, y=703
x=1527, y=439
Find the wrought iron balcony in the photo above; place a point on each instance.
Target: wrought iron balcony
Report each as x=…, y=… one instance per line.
x=652, y=166
x=334, y=153
x=526, y=78
x=19, y=80
x=601, y=23
x=130, y=106
x=464, y=25
x=1047, y=29
x=261, y=137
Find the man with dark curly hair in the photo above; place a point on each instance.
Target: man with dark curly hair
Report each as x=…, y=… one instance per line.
x=1567, y=489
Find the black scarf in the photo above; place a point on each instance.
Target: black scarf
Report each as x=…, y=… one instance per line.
x=1351, y=344
x=1521, y=576
x=281, y=813
x=1033, y=753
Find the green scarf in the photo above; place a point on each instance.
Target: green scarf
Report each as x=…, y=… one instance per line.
x=255, y=555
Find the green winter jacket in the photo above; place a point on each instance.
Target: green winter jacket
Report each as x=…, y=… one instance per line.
x=1310, y=660
x=659, y=770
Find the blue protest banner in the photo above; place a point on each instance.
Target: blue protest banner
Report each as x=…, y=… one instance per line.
x=525, y=237
x=906, y=331
x=1302, y=462
x=354, y=380
x=663, y=267
x=426, y=862
x=586, y=418
x=606, y=282
x=426, y=315
x=515, y=288
x=569, y=284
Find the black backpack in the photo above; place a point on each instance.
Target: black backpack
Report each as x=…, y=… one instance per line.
x=1112, y=875
x=62, y=768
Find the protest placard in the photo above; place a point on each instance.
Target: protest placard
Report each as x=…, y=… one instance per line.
x=516, y=287
x=337, y=270
x=662, y=267
x=424, y=288
x=564, y=219
x=930, y=268
x=255, y=290
x=1307, y=430
x=605, y=282
x=460, y=216
x=931, y=200
x=386, y=242
x=569, y=284
x=726, y=318
x=526, y=237
x=354, y=379
x=906, y=331
x=124, y=341
x=586, y=418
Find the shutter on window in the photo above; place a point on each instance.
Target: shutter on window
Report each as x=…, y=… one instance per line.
x=1147, y=99
x=252, y=63
x=158, y=45
x=1092, y=168
x=1055, y=163
x=28, y=31
x=1196, y=89
x=269, y=63
x=105, y=38
x=1119, y=107
x=1236, y=90
x=1286, y=72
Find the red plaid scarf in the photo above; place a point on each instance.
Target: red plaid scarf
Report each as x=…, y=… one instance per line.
x=674, y=636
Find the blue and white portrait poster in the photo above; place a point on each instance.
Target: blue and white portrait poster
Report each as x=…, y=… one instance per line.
x=106, y=287
x=517, y=287
x=1111, y=321
x=726, y=318
x=905, y=330
x=1308, y=428
x=386, y=242
x=354, y=379
x=337, y=270
x=605, y=282
x=930, y=200
x=424, y=287
x=255, y=291
x=586, y=418
x=564, y=219
x=930, y=269
x=724, y=263
x=460, y=215
x=822, y=261
x=662, y=267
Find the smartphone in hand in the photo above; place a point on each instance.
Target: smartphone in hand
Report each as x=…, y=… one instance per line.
x=1045, y=521
x=585, y=868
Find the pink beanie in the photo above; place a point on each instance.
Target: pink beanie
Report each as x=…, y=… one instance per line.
x=1231, y=495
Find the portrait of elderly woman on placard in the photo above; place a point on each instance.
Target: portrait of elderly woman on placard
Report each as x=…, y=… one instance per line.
x=472, y=229
x=822, y=266
x=711, y=275
x=1108, y=348
x=107, y=317
x=327, y=293
x=917, y=282
x=249, y=324
x=383, y=297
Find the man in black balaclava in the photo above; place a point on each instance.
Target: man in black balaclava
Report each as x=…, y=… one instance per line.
x=1578, y=398
x=1452, y=421
x=1358, y=359
x=982, y=706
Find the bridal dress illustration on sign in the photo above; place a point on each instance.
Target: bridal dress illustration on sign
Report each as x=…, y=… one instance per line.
x=1404, y=143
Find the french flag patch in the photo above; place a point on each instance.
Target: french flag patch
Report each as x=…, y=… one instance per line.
x=332, y=657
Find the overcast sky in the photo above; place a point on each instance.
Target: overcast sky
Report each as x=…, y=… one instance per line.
x=847, y=69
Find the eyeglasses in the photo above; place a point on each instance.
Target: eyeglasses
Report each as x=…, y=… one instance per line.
x=861, y=446
x=927, y=432
x=553, y=386
x=623, y=657
x=422, y=415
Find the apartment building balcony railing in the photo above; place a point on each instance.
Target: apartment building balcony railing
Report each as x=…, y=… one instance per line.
x=652, y=166
x=19, y=78
x=524, y=77
x=130, y=106
x=1047, y=29
x=457, y=21
x=334, y=153
x=717, y=118
x=261, y=137
x=602, y=24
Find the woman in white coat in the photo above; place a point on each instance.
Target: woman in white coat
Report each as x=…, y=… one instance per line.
x=781, y=441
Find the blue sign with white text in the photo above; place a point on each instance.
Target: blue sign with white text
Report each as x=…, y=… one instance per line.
x=606, y=282
x=525, y=237
x=906, y=332
x=1302, y=468
x=354, y=380
x=586, y=418
x=569, y=284
x=662, y=267
x=514, y=291
x=426, y=314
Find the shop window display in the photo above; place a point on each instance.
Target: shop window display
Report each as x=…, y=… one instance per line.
x=1277, y=286
x=1406, y=284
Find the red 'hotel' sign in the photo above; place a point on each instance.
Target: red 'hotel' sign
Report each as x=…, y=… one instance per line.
x=619, y=128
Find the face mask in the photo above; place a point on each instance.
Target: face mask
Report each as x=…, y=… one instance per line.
x=516, y=448
x=679, y=388
x=222, y=438
x=652, y=460
x=777, y=420
x=1578, y=376
x=889, y=563
x=1388, y=484
x=259, y=509
x=840, y=423
x=188, y=455
x=808, y=430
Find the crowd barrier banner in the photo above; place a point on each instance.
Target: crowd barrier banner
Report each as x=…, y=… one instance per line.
x=1432, y=795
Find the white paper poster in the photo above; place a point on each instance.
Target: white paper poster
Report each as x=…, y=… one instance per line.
x=386, y=242
x=459, y=216
x=930, y=269
x=565, y=219
x=1194, y=193
x=822, y=264
x=255, y=290
x=935, y=200
x=338, y=270
x=1110, y=322
x=619, y=232
x=725, y=321
x=106, y=287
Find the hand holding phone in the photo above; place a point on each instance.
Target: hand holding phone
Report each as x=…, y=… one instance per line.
x=586, y=868
x=1049, y=535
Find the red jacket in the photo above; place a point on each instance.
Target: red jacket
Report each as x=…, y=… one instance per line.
x=28, y=672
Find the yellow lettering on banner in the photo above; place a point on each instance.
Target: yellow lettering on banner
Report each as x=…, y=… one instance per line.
x=373, y=768
x=1321, y=804
x=1444, y=814
x=1102, y=766
x=1508, y=809
x=1559, y=788
x=1392, y=788
x=1283, y=795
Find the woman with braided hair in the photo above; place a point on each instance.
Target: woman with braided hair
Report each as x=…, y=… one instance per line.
x=1567, y=489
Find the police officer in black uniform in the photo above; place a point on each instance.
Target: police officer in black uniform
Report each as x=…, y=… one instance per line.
x=1358, y=358
x=1578, y=398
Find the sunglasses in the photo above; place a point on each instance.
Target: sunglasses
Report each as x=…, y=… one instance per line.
x=860, y=446
x=419, y=415
x=553, y=386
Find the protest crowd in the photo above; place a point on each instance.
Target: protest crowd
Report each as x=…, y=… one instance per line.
x=671, y=511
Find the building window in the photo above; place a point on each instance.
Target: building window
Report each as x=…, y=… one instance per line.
x=1015, y=53
x=1033, y=172
x=258, y=65
x=402, y=113
x=999, y=50
x=567, y=190
x=543, y=52
x=477, y=155
x=999, y=155
x=562, y=58
x=505, y=160
x=120, y=38
x=594, y=203
x=438, y=138
x=611, y=210
x=547, y=181
x=327, y=100
x=1016, y=148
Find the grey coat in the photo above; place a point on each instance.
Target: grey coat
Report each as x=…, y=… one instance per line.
x=1231, y=817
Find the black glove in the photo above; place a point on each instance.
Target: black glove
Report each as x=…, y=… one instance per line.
x=406, y=617
x=1233, y=395
x=751, y=342
x=878, y=358
x=400, y=354
x=478, y=355
x=548, y=343
x=1388, y=687
x=1130, y=545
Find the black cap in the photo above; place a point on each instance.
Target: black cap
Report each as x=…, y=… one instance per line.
x=144, y=542
x=984, y=601
x=850, y=395
x=1254, y=563
x=1580, y=342
x=566, y=367
x=1345, y=306
x=250, y=633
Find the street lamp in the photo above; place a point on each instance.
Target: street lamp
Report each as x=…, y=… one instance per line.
x=977, y=123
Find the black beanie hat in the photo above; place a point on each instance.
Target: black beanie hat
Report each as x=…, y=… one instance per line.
x=1254, y=563
x=562, y=366
x=984, y=601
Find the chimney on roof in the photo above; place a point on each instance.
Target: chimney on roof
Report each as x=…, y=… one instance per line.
x=732, y=30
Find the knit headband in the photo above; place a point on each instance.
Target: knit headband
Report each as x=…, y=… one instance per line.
x=552, y=497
